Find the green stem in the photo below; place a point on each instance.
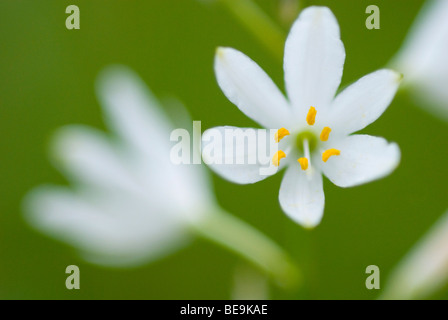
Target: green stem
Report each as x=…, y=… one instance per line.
x=259, y=24
x=244, y=240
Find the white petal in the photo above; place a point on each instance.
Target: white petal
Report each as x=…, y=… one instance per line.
x=241, y=161
x=314, y=60
x=422, y=58
x=88, y=157
x=363, y=102
x=136, y=116
x=302, y=196
x=424, y=270
x=431, y=93
x=133, y=112
x=112, y=230
x=424, y=50
x=184, y=187
x=250, y=88
x=363, y=159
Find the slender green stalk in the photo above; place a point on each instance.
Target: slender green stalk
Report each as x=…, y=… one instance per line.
x=244, y=240
x=259, y=24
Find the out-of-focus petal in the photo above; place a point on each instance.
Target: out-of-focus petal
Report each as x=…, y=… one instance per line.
x=89, y=157
x=133, y=112
x=425, y=268
x=422, y=58
x=113, y=230
x=426, y=45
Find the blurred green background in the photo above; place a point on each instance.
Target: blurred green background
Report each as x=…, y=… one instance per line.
x=47, y=76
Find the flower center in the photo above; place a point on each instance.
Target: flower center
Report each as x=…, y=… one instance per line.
x=306, y=142
x=308, y=136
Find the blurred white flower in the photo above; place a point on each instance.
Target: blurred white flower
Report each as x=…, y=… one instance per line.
x=129, y=203
x=423, y=58
x=313, y=127
x=425, y=268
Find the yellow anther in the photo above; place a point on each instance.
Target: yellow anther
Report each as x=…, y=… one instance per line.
x=303, y=163
x=325, y=134
x=311, y=116
x=277, y=157
x=328, y=153
x=280, y=134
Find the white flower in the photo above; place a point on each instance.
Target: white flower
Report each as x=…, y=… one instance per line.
x=423, y=58
x=130, y=203
x=424, y=270
x=313, y=126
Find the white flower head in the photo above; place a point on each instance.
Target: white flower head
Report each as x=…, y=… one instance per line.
x=423, y=58
x=314, y=126
x=130, y=203
x=424, y=270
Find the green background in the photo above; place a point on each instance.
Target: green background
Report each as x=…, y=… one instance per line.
x=47, y=76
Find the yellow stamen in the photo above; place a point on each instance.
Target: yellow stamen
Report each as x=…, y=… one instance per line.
x=328, y=153
x=277, y=157
x=303, y=163
x=325, y=134
x=280, y=134
x=311, y=116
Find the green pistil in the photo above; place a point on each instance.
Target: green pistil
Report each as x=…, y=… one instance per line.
x=306, y=135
